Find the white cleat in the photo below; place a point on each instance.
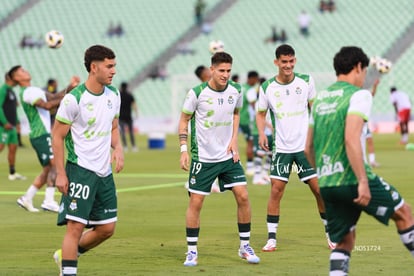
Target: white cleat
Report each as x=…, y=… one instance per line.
x=247, y=253
x=191, y=259
x=270, y=246
x=16, y=176
x=51, y=206
x=57, y=256
x=26, y=204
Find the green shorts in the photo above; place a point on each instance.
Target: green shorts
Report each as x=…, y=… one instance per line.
x=342, y=213
x=91, y=199
x=43, y=147
x=247, y=132
x=8, y=136
x=202, y=176
x=282, y=166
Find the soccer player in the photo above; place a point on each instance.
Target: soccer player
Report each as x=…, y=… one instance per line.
x=213, y=108
x=347, y=184
x=8, y=122
x=288, y=97
x=129, y=111
x=36, y=105
x=246, y=114
x=87, y=123
x=402, y=105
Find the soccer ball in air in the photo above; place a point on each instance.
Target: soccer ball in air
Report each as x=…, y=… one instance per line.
x=216, y=46
x=382, y=65
x=54, y=39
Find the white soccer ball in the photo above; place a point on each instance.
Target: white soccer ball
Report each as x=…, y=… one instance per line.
x=383, y=65
x=216, y=46
x=54, y=39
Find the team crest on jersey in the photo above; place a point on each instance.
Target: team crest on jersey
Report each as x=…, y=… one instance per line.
x=109, y=104
x=298, y=90
x=192, y=180
x=230, y=100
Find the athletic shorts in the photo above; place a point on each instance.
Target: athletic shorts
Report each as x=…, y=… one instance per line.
x=43, y=147
x=257, y=149
x=247, y=132
x=282, y=165
x=8, y=136
x=342, y=213
x=404, y=116
x=202, y=176
x=91, y=199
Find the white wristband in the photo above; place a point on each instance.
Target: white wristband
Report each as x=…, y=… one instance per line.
x=183, y=148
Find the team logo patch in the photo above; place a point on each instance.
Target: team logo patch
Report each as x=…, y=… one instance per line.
x=109, y=104
x=381, y=211
x=298, y=90
x=230, y=100
x=73, y=205
x=193, y=180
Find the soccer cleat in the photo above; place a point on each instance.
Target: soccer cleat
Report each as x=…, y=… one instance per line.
x=26, y=204
x=51, y=206
x=191, y=259
x=16, y=176
x=247, y=253
x=374, y=164
x=135, y=149
x=270, y=246
x=57, y=256
x=259, y=179
x=331, y=244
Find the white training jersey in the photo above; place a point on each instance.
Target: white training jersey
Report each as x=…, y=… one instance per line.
x=90, y=116
x=39, y=118
x=288, y=106
x=212, y=120
x=401, y=99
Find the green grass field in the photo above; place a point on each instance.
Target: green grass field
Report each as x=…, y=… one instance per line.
x=150, y=235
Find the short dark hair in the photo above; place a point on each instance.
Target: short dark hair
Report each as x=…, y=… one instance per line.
x=347, y=58
x=199, y=70
x=13, y=70
x=393, y=89
x=252, y=74
x=285, y=50
x=124, y=86
x=221, y=57
x=97, y=53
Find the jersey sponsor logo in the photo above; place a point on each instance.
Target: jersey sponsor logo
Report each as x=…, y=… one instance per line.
x=326, y=108
x=110, y=211
x=328, y=168
x=329, y=94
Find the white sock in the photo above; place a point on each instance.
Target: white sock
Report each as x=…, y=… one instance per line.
x=404, y=137
x=407, y=238
x=30, y=193
x=50, y=194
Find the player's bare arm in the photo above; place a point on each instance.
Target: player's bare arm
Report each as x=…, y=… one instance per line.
x=47, y=105
x=309, y=148
x=353, y=130
x=117, y=153
x=60, y=130
x=233, y=147
x=182, y=136
x=261, y=123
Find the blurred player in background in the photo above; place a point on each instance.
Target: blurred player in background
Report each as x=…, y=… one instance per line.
x=213, y=108
x=8, y=122
x=129, y=112
x=402, y=105
x=347, y=184
x=288, y=97
x=36, y=105
x=246, y=116
x=87, y=123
